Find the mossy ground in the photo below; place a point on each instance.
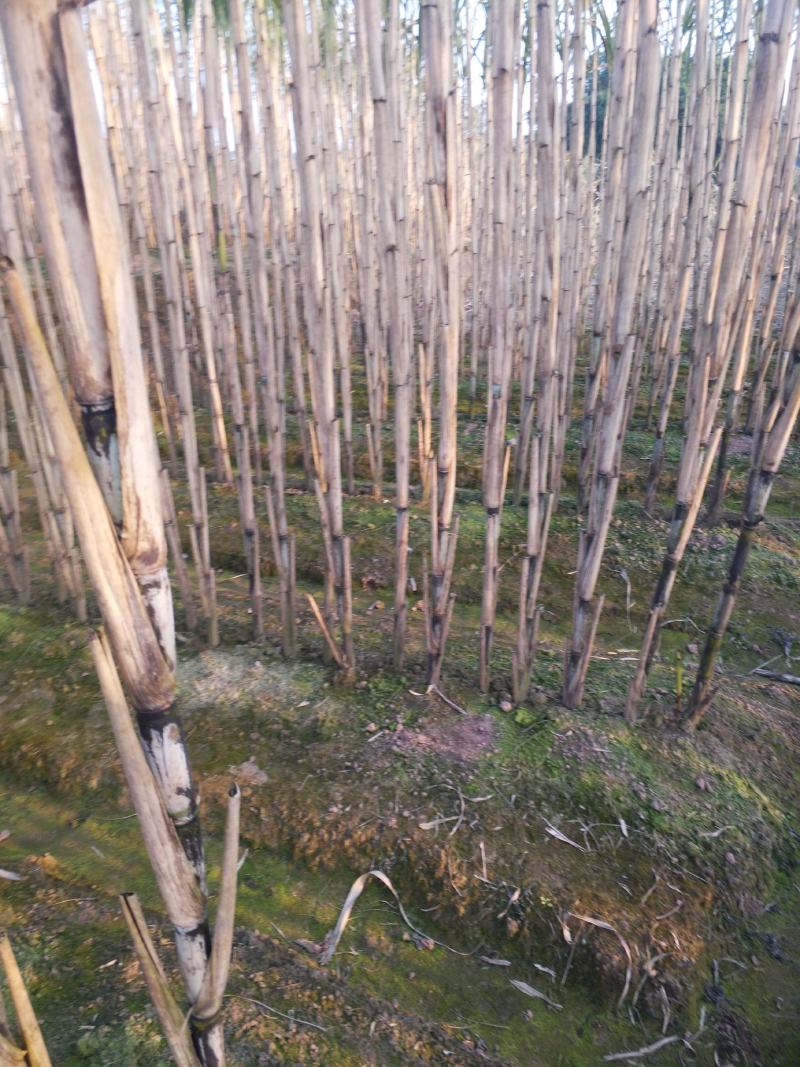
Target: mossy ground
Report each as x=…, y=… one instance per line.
x=686, y=846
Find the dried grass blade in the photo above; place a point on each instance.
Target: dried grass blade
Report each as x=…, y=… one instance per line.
x=646, y=1051
x=557, y=834
x=530, y=991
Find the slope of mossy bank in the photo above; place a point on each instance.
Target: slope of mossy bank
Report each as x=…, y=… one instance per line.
x=383, y=1000
x=678, y=844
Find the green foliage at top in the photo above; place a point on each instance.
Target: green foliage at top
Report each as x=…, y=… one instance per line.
x=221, y=9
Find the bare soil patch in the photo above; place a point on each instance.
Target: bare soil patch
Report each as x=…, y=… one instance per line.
x=460, y=741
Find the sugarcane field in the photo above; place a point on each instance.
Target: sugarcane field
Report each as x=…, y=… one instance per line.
x=399, y=533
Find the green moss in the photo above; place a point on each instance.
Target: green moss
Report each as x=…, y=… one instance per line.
x=92, y=1016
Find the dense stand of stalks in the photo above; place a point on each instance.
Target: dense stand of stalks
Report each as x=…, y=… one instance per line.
x=313, y=239
x=285, y=238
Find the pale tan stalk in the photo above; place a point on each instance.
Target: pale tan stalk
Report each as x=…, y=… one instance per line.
x=441, y=106
x=317, y=298
x=500, y=355
x=37, y=1055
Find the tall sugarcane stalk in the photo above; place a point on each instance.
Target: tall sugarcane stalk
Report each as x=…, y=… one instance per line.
x=148, y=676
x=445, y=301
x=319, y=326
x=381, y=50
x=499, y=376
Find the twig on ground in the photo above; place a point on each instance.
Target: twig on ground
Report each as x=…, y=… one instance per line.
x=766, y=663
x=628, y=605
x=573, y=943
x=668, y=914
x=436, y=691
x=775, y=676
x=333, y=936
x=685, y=618
x=460, y=816
x=651, y=890
x=329, y=641
x=649, y=972
x=276, y=1011
x=666, y=1009
x=511, y=900
x=471, y=1026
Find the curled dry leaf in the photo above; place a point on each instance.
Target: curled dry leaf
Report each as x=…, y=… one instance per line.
x=332, y=938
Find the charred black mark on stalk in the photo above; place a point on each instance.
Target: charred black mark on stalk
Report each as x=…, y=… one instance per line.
x=681, y=511
x=249, y=541
x=61, y=106
x=191, y=839
x=99, y=426
x=200, y=1029
x=153, y=725
x=201, y=932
